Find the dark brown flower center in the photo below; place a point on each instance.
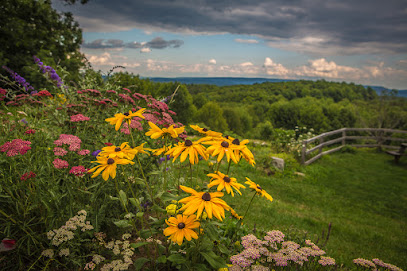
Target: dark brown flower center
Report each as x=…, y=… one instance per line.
x=188, y=143
x=227, y=137
x=117, y=149
x=181, y=225
x=126, y=114
x=206, y=196
x=226, y=179
x=110, y=161
x=205, y=130
x=224, y=144
x=258, y=187
x=236, y=141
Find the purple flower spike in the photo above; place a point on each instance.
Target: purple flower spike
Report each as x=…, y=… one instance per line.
x=96, y=153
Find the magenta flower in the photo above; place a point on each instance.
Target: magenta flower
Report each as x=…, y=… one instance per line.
x=79, y=117
x=28, y=175
x=83, y=152
x=78, y=171
x=60, y=164
x=60, y=151
x=16, y=147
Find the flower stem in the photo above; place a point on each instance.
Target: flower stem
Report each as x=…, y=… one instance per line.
x=230, y=161
x=248, y=207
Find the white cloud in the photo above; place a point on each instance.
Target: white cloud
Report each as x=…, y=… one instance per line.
x=103, y=59
x=275, y=69
x=212, y=61
x=145, y=50
x=246, y=64
x=250, y=41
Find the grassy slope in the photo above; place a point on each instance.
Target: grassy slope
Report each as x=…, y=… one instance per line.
x=363, y=195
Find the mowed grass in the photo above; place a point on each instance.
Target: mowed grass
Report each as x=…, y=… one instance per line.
x=363, y=195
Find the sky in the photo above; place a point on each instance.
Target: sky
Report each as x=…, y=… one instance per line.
x=360, y=41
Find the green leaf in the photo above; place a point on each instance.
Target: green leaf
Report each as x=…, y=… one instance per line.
x=176, y=258
x=122, y=223
x=214, y=260
x=139, y=244
x=138, y=264
x=162, y=259
x=135, y=202
x=113, y=198
x=168, y=197
x=139, y=214
x=123, y=198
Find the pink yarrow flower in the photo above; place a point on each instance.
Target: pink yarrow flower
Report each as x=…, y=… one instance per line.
x=83, y=152
x=78, y=171
x=16, y=147
x=30, y=131
x=60, y=151
x=79, y=117
x=60, y=164
x=74, y=142
x=28, y=175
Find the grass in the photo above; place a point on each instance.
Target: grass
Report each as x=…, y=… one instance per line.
x=363, y=195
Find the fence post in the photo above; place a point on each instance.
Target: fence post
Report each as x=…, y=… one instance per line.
x=303, y=151
x=343, y=137
x=321, y=141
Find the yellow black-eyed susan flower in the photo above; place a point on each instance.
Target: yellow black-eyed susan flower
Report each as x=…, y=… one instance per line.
x=122, y=151
x=224, y=182
x=205, y=131
x=260, y=191
x=181, y=227
x=118, y=118
x=108, y=166
x=243, y=151
x=193, y=149
x=156, y=132
x=222, y=147
x=200, y=201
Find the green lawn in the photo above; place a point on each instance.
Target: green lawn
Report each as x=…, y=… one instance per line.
x=363, y=195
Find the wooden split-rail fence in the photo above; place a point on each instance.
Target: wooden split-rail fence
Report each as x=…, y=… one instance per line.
x=377, y=137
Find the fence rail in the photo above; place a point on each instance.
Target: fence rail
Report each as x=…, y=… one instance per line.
x=380, y=136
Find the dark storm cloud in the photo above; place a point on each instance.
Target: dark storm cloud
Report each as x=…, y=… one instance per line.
x=347, y=23
x=156, y=43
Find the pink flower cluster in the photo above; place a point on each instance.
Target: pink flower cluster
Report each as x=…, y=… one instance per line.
x=30, y=131
x=375, y=263
x=126, y=98
x=74, y=142
x=83, y=152
x=3, y=93
x=58, y=151
x=43, y=93
x=28, y=175
x=16, y=147
x=60, y=164
x=78, y=171
x=285, y=252
x=79, y=117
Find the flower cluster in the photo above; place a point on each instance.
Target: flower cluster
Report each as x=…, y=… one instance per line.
x=28, y=175
x=375, y=264
x=60, y=164
x=120, y=248
x=78, y=171
x=274, y=251
x=66, y=232
x=30, y=131
x=16, y=147
x=19, y=79
x=58, y=151
x=49, y=71
x=3, y=93
x=79, y=117
x=43, y=93
x=72, y=141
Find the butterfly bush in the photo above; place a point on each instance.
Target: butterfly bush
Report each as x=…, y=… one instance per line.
x=18, y=79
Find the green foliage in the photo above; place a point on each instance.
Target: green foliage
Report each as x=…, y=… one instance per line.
x=212, y=115
x=34, y=28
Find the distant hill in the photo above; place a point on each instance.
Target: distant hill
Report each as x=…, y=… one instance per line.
x=230, y=81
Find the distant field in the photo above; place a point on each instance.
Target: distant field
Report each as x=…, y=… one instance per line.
x=363, y=195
